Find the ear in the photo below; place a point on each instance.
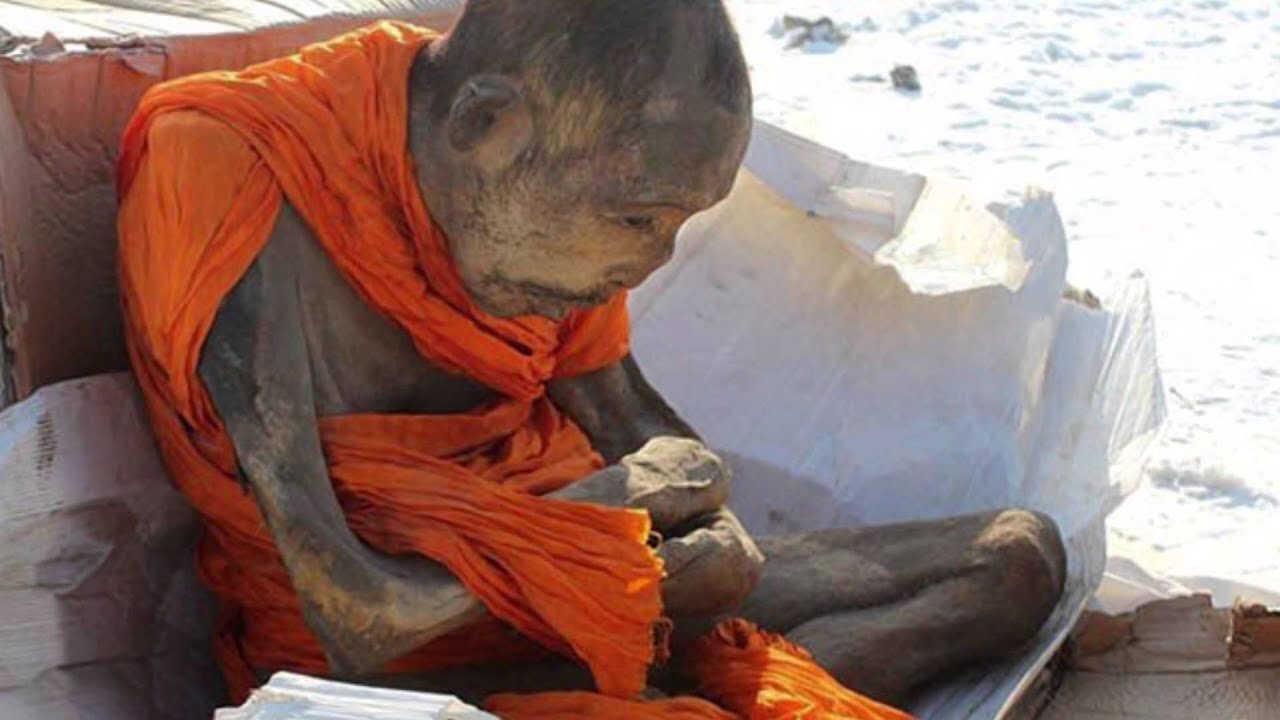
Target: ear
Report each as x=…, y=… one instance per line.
x=490, y=120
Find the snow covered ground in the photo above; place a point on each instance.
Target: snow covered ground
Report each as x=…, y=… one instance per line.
x=1157, y=125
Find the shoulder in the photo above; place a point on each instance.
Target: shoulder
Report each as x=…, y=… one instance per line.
x=191, y=166
x=190, y=135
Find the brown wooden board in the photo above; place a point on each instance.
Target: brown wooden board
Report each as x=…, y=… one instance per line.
x=68, y=97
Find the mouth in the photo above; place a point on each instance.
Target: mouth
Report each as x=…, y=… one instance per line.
x=505, y=296
x=540, y=294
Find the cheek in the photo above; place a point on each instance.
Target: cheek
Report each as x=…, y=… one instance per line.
x=545, y=242
x=580, y=252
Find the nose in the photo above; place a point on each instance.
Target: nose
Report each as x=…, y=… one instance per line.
x=666, y=247
x=658, y=254
x=655, y=248
x=665, y=238
x=655, y=253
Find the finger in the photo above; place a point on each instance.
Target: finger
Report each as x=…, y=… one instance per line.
x=607, y=486
x=676, y=479
x=710, y=570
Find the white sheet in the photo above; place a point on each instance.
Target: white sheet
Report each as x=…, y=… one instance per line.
x=289, y=696
x=851, y=386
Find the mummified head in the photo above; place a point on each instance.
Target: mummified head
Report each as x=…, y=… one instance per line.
x=561, y=143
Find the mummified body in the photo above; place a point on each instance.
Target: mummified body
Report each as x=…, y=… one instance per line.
x=557, y=147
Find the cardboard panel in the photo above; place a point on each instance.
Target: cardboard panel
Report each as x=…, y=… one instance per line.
x=15, y=217
x=100, y=612
x=69, y=108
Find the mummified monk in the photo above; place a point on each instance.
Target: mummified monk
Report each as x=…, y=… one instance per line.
x=375, y=297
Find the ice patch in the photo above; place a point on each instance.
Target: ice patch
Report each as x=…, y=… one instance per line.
x=1204, y=480
x=818, y=36
x=1144, y=89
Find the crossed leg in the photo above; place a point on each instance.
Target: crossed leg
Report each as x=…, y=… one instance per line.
x=884, y=609
x=887, y=609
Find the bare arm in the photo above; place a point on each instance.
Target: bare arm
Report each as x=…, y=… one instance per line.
x=618, y=409
x=366, y=608
x=711, y=561
x=633, y=427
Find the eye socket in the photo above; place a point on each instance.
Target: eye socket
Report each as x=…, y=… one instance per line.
x=638, y=223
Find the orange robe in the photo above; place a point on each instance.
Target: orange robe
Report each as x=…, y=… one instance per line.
x=205, y=164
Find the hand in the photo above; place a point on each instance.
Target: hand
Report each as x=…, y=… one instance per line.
x=674, y=479
x=712, y=564
x=404, y=603
x=711, y=569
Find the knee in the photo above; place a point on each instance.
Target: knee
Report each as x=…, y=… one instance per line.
x=1024, y=554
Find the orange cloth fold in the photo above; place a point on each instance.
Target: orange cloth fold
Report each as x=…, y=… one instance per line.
x=751, y=673
x=763, y=676
x=206, y=164
x=573, y=705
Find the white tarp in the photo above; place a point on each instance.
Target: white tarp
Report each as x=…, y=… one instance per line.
x=785, y=333
x=841, y=395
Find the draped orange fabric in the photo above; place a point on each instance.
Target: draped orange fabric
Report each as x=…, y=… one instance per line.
x=753, y=674
x=206, y=164
x=570, y=705
x=762, y=676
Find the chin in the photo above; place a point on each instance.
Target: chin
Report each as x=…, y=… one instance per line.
x=513, y=307
x=551, y=310
x=495, y=308
x=507, y=302
x=558, y=309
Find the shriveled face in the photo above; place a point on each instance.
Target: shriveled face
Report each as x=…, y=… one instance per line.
x=561, y=161
x=572, y=230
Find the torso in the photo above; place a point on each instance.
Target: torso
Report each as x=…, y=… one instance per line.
x=361, y=362
x=293, y=303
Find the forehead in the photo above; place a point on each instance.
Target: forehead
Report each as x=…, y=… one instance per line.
x=672, y=153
